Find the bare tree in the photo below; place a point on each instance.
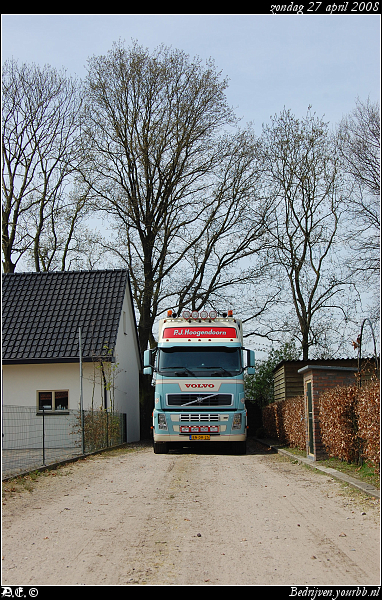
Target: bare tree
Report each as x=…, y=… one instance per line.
x=360, y=138
x=40, y=133
x=301, y=168
x=201, y=259
x=172, y=178
x=173, y=184
x=359, y=135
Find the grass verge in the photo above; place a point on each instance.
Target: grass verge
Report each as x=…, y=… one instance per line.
x=365, y=472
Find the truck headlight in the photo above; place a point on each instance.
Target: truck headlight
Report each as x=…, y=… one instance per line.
x=162, y=423
x=236, y=423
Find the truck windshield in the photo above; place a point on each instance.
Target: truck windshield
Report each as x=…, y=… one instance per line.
x=187, y=362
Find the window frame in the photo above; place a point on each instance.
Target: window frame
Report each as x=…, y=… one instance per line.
x=53, y=410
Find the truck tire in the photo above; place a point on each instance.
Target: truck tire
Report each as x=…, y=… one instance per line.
x=160, y=448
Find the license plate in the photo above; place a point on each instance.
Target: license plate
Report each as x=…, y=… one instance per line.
x=199, y=437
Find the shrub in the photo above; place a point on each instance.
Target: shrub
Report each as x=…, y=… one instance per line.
x=368, y=413
x=270, y=421
x=338, y=422
x=349, y=422
x=293, y=412
x=102, y=429
x=285, y=421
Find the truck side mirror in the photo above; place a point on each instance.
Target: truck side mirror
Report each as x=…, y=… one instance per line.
x=250, y=362
x=148, y=362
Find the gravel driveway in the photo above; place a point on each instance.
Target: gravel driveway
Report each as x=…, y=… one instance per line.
x=189, y=518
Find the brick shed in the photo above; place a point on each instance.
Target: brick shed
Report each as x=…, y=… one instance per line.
x=317, y=379
x=288, y=377
x=309, y=379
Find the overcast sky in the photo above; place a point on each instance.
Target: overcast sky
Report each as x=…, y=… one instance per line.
x=271, y=61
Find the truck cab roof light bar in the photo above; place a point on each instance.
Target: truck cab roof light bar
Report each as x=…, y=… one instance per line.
x=195, y=315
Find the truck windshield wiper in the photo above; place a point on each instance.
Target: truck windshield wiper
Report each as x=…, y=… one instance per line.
x=182, y=368
x=225, y=371
x=199, y=399
x=222, y=369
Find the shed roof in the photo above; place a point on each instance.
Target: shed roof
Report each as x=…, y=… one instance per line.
x=42, y=314
x=321, y=362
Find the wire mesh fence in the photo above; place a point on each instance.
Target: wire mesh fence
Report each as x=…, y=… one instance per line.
x=35, y=438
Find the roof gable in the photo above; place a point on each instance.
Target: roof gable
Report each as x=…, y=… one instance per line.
x=42, y=313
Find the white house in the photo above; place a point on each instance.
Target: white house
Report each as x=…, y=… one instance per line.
x=43, y=314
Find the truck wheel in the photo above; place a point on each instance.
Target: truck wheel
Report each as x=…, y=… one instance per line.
x=160, y=448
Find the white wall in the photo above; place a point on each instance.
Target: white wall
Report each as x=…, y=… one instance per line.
x=128, y=363
x=22, y=382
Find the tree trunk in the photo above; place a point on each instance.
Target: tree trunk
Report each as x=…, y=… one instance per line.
x=146, y=405
x=146, y=390
x=8, y=266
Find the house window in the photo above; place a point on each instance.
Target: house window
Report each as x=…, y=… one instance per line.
x=53, y=400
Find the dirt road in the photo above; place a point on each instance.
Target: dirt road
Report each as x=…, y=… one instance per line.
x=189, y=519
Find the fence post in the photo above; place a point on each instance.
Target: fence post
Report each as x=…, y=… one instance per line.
x=83, y=430
x=43, y=435
x=124, y=428
x=359, y=340
x=81, y=393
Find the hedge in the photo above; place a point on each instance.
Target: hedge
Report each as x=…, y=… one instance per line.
x=349, y=422
x=368, y=412
x=339, y=423
x=285, y=421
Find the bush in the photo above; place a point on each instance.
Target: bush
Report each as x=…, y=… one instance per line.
x=271, y=422
x=368, y=412
x=260, y=387
x=339, y=424
x=102, y=429
x=349, y=422
x=285, y=421
x=293, y=413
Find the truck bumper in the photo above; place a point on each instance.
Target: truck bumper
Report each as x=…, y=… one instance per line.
x=162, y=437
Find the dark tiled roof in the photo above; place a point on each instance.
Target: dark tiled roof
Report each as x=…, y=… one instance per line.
x=324, y=362
x=42, y=313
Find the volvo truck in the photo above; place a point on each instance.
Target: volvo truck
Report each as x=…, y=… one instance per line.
x=198, y=372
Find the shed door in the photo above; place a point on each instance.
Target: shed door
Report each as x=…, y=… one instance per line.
x=310, y=416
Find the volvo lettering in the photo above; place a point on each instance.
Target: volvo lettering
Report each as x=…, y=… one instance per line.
x=198, y=369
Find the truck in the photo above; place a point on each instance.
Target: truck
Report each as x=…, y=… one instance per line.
x=198, y=371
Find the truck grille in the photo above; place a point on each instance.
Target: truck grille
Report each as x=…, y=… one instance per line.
x=190, y=417
x=204, y=399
